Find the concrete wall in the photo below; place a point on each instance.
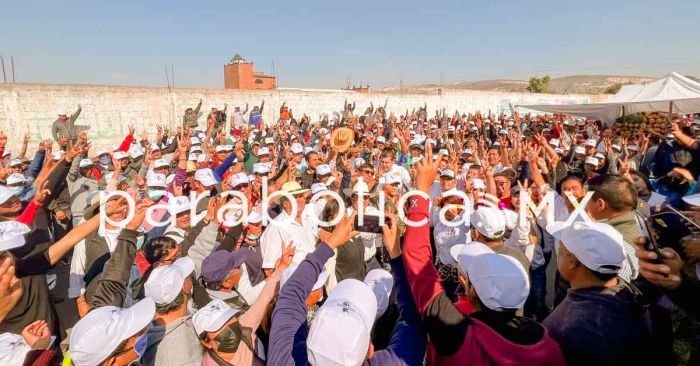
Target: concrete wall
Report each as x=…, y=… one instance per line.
x=108, y=110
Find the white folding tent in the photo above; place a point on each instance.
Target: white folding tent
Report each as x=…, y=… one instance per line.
x=673, y=93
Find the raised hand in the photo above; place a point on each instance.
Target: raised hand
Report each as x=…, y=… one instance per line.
x=25, y=139
x=10, y=287
x=132, y=129
x=285, y=260
x=37, y=335
x=426, y=169
x=41, y=193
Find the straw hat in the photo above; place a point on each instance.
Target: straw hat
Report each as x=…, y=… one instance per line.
x=342, y=138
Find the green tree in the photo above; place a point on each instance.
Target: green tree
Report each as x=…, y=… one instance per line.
x=539, y=85
x=693, y=78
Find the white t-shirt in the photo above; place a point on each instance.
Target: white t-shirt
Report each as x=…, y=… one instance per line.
x=446, y=237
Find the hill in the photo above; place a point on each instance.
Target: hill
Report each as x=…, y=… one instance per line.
x=575, y=84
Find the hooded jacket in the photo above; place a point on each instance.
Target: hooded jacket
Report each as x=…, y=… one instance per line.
x=173, y=344
x=603, y=326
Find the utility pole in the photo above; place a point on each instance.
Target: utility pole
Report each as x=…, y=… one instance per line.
x=4, y=77
x=172, y=73
x=12, y=61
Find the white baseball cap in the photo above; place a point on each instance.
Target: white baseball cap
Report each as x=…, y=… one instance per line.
x=269, y=140
x=580, y=150
x=12, y=234
x=155, y=146
x=101, y=152
x=205, y=177
x=135, y=151
x=196, y=149
x=261, y=168
x=358, y=162
x=263, y=151
x=340, y=331
x=195, y=140
x=160, y=163
x=381, y=282
x=323, y=169
x=381, y=139
x=16, y=178
x=489, y=221
x=103, y=329
x=499, y=280
x=15, y=162
x=119, y=155
x=617, y=147
x=478, y=183
x=592, y=161
x=180, y=204
x=467, y=151
x=318, y=187
x=84, y=163
x=297, y=148
x=156, y=179
x=213, y=316
x=554, y=142
x=221, y=148
x=389, y=178
x=165, y=282
x=447, y=173
x=591, y=142
x=595, y=244
x=238, y=179
x=13, y=349
x=632, y=147
x=192, y=156
x=558, y=150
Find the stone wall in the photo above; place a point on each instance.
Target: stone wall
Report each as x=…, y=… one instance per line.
x=108, y=110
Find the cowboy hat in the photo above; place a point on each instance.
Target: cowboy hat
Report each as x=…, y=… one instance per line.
x=342, y=138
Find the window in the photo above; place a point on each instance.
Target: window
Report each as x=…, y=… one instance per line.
x=258, y=81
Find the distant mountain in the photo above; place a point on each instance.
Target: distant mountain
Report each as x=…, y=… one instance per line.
x=575, y=84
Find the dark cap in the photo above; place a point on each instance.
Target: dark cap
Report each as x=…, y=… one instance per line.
x=219, y=264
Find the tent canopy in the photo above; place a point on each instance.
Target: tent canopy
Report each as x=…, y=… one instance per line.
x=673, y=90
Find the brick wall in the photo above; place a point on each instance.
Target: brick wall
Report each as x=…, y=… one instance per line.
x=108, y=110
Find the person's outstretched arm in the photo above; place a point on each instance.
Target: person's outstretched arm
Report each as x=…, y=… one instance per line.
x=289, y=328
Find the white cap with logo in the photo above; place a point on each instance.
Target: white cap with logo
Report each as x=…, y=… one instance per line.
x=160, y=163
x=103, y=329
x=205, y=177
x=340, y=331
x=238, y=179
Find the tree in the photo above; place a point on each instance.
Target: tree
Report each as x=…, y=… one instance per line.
x=539, y=85
x=693, y=78
x=613, y=89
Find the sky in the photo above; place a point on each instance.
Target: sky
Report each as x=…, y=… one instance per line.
x=320, y=44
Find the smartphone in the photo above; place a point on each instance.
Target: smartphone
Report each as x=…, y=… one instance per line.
x=650, y=242
x=370, y=224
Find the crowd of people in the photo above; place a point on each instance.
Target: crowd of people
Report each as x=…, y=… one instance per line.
x=504, y=239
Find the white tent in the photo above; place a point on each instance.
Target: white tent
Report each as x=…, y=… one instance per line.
x=674, y=91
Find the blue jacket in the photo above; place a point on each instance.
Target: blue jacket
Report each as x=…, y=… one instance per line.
x=290, y=329
x=603, y=326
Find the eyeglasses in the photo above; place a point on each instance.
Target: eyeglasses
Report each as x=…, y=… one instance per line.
x=370, y=172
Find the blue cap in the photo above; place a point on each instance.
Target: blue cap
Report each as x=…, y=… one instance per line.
x=219, y=264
